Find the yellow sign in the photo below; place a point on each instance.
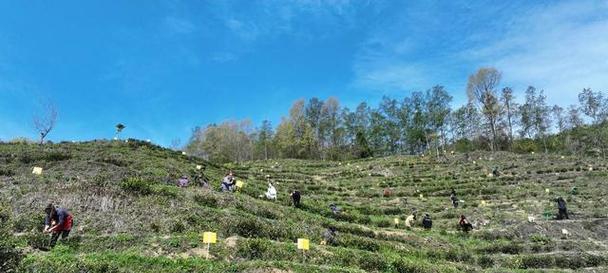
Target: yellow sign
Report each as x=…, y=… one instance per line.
x=240, y=184
x=303, y=244
x=396, y=221
x=209, y=237
x=37, y=170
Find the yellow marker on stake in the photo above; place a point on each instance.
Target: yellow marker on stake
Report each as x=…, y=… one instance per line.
x=37, y=171
x=396, y=221
x=198, y=167
x=209, y=238
x=303, y=244
x=547, y=190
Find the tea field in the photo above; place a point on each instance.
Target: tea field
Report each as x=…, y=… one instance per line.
x=130, y=216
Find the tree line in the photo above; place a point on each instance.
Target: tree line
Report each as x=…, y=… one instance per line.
x=423, y=122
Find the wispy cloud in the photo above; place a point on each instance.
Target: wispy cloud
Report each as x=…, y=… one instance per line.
x=179, y=25
x=561, y=49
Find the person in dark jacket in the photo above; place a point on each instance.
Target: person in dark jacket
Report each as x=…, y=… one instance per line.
x=329, y=236
x=464, y=224
x=562, y=209
x=454, y=199
x=58, y=222
x=295, y=198
x=427, y=223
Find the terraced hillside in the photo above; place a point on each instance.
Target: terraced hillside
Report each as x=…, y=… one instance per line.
x=131, y=218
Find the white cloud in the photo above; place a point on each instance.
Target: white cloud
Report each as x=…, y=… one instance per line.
x=561, y=49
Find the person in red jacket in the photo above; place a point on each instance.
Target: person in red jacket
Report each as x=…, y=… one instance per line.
x=465, y=225
x=58, y=222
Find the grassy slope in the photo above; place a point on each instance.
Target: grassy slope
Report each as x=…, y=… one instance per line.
x=151, y=226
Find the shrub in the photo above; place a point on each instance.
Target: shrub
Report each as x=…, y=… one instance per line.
x=137, y=185
x=406, y=266
x=358, y=243
x=178, y=227
x=536, y=262
x=485, y=261
x=57, y=156
x=9, y=255
x=254, y=249
x=6, y=172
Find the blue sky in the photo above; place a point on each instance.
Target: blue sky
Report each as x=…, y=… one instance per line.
x=163, y=67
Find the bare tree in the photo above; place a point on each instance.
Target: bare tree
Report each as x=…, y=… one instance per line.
x=45, y=121
x=176, y=144
x=481, y=89
x=510, y=109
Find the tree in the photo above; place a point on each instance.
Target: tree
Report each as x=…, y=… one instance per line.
x=45, y=121
x=362, y=149
x=228, y=142
x=510, y=108
x=265, y=136
x=592, y=104
x=438, y=107
x=526, y=113
x=390, y=111
x=175, y=144
x=542, y=117
x=119, y=128
x=415, y=109
x=560, y=119
x=481, y=89
x=574, y=117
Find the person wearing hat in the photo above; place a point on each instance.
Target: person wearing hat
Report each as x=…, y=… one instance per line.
x=58, y=222
x=183, y=182
x=271, y=193
x=228, y=182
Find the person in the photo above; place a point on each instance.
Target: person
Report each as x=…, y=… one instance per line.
x=409, y=221
x=271, y=193
x=427, y=223
x=562, y=210
x=228, y=182
x=58, y=222
x=454, y=198
x=464, y=224
x=335, y=209
x=295, y=198
x=183, y=181
x=387, y=192
x=495, y=172
x=329, y=236
x=201, y=179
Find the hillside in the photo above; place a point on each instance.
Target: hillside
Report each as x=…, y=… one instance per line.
x=131, y=218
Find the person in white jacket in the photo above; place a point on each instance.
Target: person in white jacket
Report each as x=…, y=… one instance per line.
x=271, y=193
